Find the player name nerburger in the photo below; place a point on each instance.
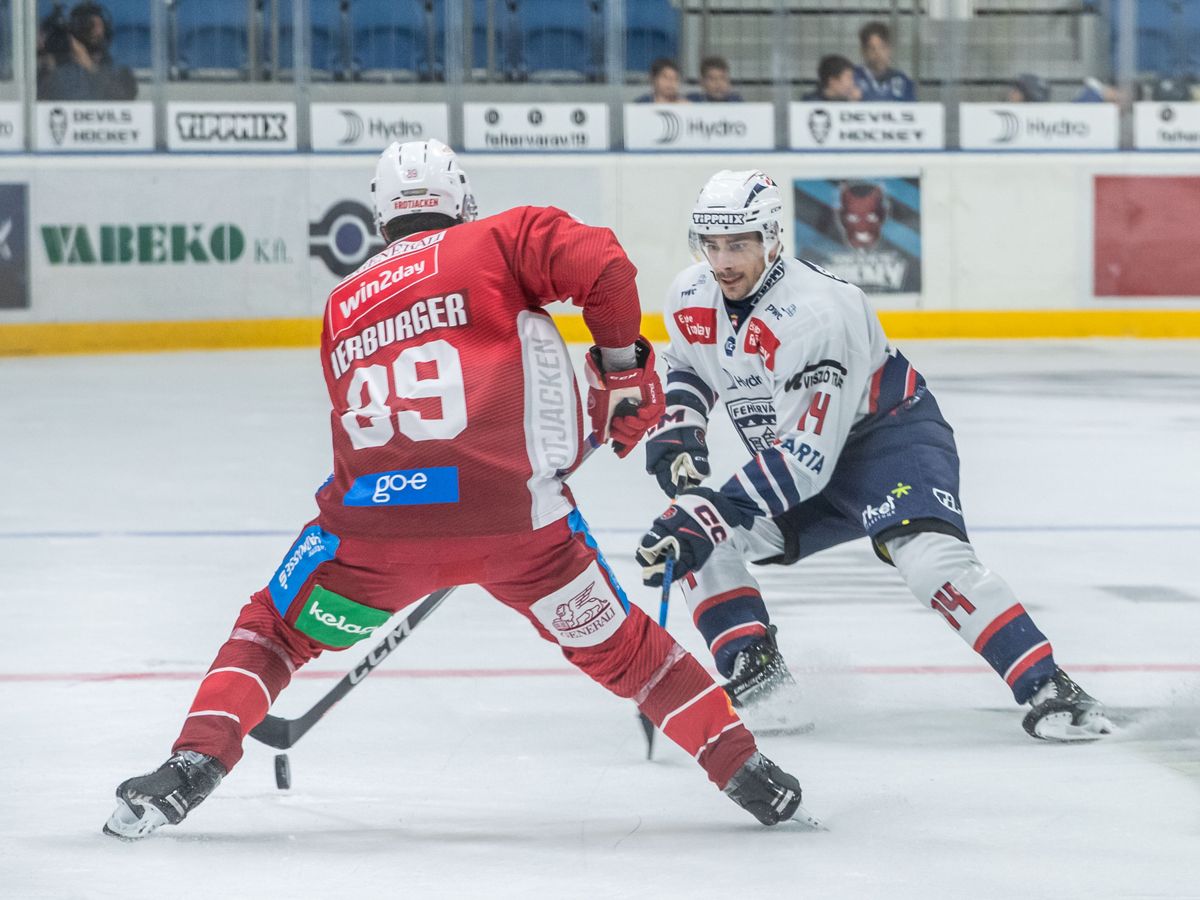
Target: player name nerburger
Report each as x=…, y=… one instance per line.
x=424, y=315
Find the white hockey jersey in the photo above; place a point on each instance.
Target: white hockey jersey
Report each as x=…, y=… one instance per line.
x=809, y=363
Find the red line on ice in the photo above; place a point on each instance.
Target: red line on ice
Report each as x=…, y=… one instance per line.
x=12, y=677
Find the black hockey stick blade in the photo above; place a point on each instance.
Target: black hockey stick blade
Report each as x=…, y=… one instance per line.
x=280, y=733
x=647, y=729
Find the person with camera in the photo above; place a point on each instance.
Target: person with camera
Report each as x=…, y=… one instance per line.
x=74, y=60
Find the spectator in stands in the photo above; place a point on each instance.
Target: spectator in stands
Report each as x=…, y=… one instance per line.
x=876, y=78
x=835, y=81
x=1171, y=89
x=1096, y=91
x=1028, y=88
x=715, y=86
x=664, y=83
x=74, y=62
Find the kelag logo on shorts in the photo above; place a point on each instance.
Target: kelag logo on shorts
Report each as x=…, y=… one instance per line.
x=14, y=265
x=407, y=487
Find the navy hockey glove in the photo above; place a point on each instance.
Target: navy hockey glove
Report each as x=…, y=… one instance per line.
x=696, y=522
x=677, y=452
x=624, y=405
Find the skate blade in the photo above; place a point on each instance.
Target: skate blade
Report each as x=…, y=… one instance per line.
x=126, y=825
x=1059, y=728
x=783, y=730
x=806, y=820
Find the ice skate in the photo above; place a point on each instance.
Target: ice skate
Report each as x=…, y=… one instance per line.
x=1062, y=711
x=763, y=691
x=163, y=797
x=768, y=793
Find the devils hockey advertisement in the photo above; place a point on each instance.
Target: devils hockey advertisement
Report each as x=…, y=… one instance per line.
x=865, y=230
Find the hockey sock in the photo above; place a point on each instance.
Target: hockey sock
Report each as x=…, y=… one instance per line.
x=729, y=622
x=250, y=670
x=673, y=690
x=944, y=573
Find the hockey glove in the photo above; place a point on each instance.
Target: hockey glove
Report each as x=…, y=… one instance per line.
x=677, y=452
x=689, y=530
x=623, y=406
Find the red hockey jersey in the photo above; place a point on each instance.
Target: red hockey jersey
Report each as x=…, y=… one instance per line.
x=455, y=405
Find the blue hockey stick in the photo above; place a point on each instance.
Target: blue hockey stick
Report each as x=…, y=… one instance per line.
x=663, y=605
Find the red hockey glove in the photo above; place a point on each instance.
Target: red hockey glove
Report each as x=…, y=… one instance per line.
x=624, y=405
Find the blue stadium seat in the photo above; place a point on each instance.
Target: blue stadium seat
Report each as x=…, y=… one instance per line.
x=5, y=41
x=1168, y=37
x=506, y=40
x=211, y=35
x=389, y=35
x=561, y=36
x=651, y=31
x=131, y=33
x=326, y=39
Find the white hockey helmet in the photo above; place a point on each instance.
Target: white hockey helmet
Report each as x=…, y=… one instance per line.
x=735, y=203
x=420, y=177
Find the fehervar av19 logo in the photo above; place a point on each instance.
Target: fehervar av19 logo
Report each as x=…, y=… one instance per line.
x=157, y=244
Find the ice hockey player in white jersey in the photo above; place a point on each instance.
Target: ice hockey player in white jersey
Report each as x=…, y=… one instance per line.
x=845, y=440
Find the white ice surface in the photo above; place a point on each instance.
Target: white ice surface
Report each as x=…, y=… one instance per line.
x=144, y=497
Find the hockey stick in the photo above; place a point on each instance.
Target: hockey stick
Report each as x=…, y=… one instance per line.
x=664, y=601
x=280, y=733
x=668, y=576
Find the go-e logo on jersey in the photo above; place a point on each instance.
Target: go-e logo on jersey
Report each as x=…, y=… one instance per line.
x=405, y=487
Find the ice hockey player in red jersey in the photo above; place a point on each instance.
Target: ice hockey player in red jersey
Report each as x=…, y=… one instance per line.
x=455, y=415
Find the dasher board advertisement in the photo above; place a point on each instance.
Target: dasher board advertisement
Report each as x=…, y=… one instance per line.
x=94, y=127
x=867, y=126
x=695, y=126
x=537, y=127
x=231, y=127
x=1038, y=126
x=349, y=127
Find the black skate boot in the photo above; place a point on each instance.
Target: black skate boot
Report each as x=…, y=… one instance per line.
x=164, y=796
x=763, y=691
x=1062, y=711
x=768, y=793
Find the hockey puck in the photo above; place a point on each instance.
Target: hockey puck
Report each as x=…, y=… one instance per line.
x=283, y=772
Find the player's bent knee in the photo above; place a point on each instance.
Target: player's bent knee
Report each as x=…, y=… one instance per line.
x=927, y=559
x=944, y=573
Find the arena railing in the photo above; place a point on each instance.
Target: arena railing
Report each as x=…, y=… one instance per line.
x=463, y=52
